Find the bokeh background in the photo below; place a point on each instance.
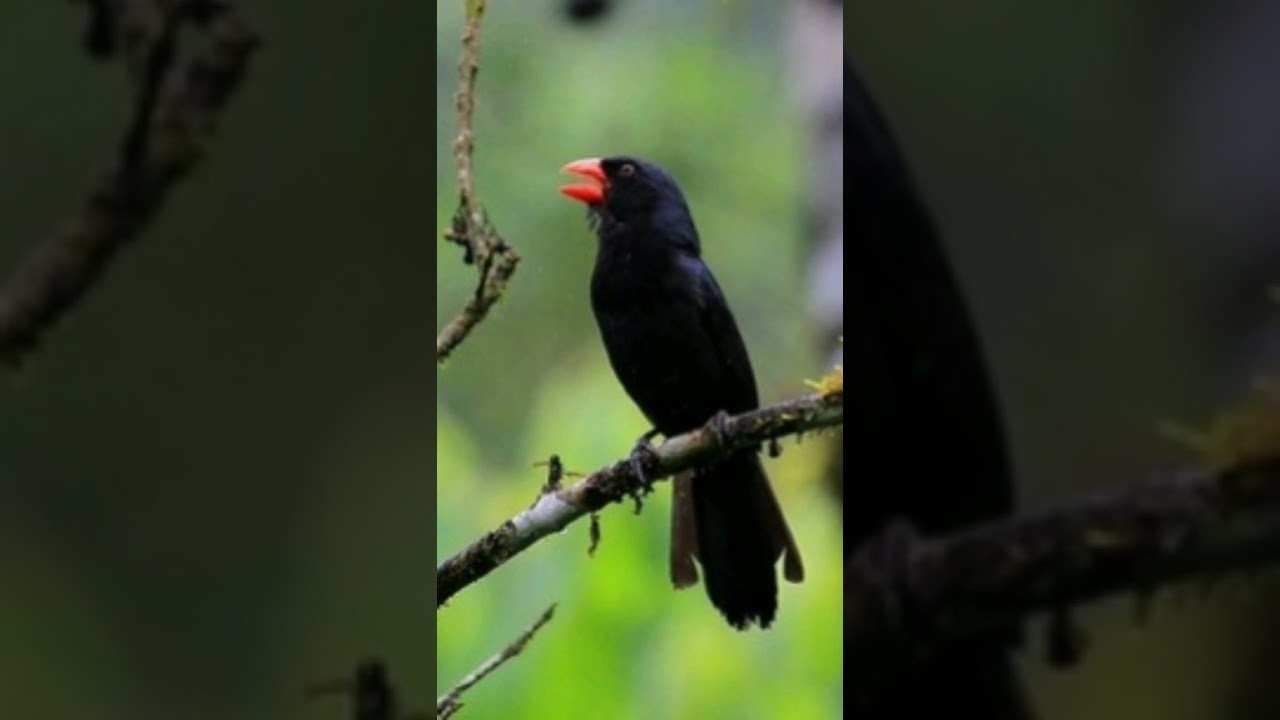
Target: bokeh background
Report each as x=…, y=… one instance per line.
x=214, y=475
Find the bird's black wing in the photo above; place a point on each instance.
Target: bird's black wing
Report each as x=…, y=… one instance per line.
x=916, y=361
x=738, y=387
x=737, y=390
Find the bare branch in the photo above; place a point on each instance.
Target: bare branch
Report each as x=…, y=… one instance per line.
x=1130, y=539
x=557, y=507
x=483, y=247
x=368, y=689
x=181, y=91
x=450, y=703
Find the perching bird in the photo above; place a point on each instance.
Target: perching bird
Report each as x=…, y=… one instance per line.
x=928, y=443
x=675, y=348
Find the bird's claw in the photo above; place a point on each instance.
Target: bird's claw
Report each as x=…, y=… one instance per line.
x=886, y=560
x=643, y=456
x=718, y=426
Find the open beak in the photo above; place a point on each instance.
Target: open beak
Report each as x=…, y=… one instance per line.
x=590, y=193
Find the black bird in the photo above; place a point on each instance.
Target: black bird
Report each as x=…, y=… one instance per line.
x=928, y=443
x=675, y=347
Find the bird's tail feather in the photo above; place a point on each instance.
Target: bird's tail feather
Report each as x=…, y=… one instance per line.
x=728, y=518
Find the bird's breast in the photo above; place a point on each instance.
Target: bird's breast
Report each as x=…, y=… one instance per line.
x=650, y=323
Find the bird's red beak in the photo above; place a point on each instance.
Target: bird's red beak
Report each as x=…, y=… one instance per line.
x=589, y=193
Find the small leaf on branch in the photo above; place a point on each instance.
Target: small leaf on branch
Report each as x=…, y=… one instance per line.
x=831, y=383
x=1238, y=436
x=555, y=473
x=594, y=534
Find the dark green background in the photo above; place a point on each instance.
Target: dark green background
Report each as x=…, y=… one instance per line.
x=215, y=475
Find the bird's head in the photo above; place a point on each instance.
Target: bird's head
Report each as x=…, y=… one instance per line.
x=628, y=191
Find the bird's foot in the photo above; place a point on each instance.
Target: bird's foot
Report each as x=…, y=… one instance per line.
x=643, y=457
x=718, y=426
x=885, y=561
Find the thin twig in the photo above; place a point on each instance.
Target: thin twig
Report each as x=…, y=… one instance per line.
x=483, y=247
x=464, y=144
x=450, y=702
x=555, y=509
x=180, y=94
x=369, y=690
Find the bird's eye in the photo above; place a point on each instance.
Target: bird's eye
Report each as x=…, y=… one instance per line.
x=627, y=170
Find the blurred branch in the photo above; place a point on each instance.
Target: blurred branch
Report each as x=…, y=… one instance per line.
x=483, y=247
x=180, y=93
x=450, y=702
x=1135, y=538
x=369, y=689
x=557, y=507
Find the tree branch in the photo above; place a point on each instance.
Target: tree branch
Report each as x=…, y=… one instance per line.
x=368, y=689
x=557, y=507
x=1193, y=525
x=179, y=97
x=483, y=247
x=450, y=702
